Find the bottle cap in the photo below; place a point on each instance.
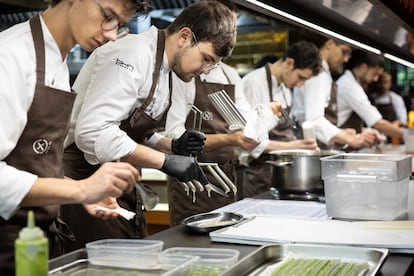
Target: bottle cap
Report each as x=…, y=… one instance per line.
x=31, y=232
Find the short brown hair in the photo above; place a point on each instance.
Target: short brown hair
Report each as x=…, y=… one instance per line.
x=210, y=21
x=306, y=56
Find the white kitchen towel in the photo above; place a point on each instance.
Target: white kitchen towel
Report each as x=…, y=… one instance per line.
x=121, y=211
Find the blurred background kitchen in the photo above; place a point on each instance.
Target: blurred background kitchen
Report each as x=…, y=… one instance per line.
x=265, y=29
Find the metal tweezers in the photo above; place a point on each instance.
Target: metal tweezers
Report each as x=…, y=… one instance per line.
x=288, y=119
x=213, y=168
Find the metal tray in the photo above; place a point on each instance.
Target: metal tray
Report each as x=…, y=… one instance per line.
x=77, y=264
x=207, y=222
x=256, y=262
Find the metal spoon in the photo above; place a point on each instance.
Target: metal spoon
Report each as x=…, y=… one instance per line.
x=149, y=199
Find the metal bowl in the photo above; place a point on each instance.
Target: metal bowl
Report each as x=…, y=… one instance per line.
x=207, y=222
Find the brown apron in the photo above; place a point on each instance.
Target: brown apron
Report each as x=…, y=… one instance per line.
x=76, y=166
x=39, y=151
x=388, y=113
x=257, y=178
x=387, y=110
x=331, y=112
x=181, y=205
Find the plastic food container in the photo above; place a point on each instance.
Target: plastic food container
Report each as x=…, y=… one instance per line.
x=211, y=262
x=125, y=253
x=366, y=186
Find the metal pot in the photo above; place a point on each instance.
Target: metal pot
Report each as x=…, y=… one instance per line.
x=298, y=171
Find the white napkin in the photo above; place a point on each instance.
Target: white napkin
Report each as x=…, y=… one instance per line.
x=121, y=211
x=260, y=121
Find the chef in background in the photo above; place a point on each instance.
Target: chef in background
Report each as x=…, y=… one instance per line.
x=125, y=91
x=316, y=100
x=273, y=82
x=354, y=107
x=390, y=104
x=36, y=101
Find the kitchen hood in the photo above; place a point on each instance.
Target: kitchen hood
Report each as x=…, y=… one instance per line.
x=378, y=26
x=14, y=6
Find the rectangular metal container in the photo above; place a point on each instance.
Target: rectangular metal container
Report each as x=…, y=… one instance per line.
x=256, y=262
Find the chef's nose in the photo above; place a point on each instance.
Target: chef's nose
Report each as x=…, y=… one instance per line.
x=300, y=83
x=110, y=35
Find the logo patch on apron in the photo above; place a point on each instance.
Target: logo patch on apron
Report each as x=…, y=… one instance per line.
x=207, y=115
x=41, y=146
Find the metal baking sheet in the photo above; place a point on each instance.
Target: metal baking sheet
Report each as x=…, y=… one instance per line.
x=256, y=262
x=84, y=267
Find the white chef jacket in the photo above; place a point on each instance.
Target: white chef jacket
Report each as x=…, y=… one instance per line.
x=256, y=89
x=397, y=103
x=352, y=97
x=310, y=101
x=18, y=80
x=115, y=80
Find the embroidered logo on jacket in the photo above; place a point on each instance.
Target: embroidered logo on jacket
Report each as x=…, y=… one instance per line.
x=121, y=64
x=41, y=146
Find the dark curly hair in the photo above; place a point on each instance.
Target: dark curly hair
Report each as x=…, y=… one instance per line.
x=306, y=56
x=210, y=21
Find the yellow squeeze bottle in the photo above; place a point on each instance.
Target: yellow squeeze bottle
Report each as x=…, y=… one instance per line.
x=410, y=121
x=410, y=116
x=31, y=250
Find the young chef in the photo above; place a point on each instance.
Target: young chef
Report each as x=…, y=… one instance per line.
x=124, y=90
x=354, y=107
x=316, y=100
x=36, y=102
x=220, y=142
x=273, y=82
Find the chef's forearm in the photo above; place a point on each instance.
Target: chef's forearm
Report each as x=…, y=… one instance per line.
x=51, y=191
x=145, y=157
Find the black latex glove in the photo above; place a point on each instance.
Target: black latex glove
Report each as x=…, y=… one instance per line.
x=184, y=168
x=190, y=143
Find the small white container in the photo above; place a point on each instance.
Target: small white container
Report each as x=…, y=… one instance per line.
x=409, y=140
x=366, y=186
x=212, y=261
x=308, y=129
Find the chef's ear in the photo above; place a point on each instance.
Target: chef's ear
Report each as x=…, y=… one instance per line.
x=185, y=36
x=289, y=63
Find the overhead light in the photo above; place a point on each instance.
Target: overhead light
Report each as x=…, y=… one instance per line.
x=399, y=60
x=315, y=27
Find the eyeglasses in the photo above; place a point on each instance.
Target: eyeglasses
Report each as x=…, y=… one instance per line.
x=208, y=62
x=111, y=22
x=346, y=52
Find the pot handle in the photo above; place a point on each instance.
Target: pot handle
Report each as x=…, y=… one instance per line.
x=279, y=163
